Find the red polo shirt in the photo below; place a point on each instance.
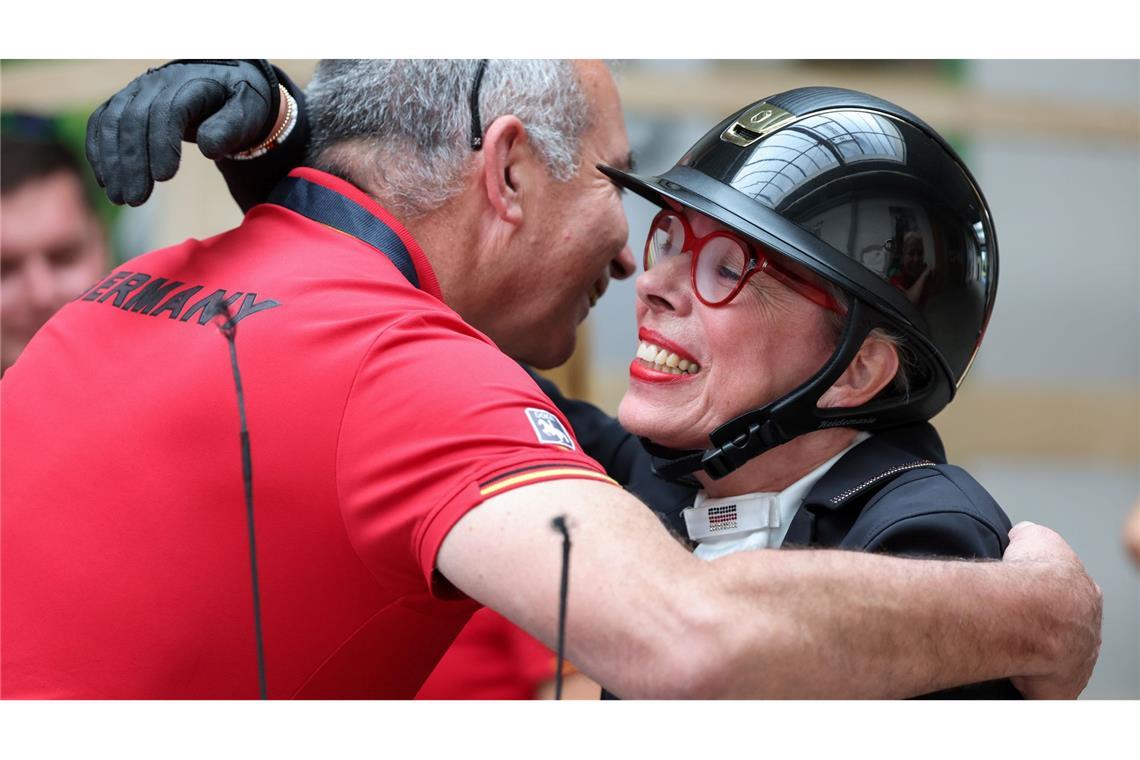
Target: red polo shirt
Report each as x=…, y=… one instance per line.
x=377, y=418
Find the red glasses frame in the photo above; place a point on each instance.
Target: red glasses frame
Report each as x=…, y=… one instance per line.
x=758, y=261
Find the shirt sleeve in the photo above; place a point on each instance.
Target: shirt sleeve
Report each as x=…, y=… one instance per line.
x=438, y=420
x=624, y=458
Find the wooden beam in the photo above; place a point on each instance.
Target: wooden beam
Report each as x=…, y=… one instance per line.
x=717, y=91
x=55, y=85
x=712, y=91
x=1078, y=426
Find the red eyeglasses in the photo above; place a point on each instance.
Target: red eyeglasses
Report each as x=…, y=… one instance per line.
x=722, y=262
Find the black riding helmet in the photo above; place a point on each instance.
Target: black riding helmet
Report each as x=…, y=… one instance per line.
x=871, y=199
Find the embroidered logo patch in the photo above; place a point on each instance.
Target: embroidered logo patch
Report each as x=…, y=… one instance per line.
x=549, y=429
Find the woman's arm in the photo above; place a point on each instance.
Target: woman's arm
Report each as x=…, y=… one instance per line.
x=226, y=106
x=250, y=181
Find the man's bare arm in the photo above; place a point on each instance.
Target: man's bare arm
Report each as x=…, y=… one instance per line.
x=647, y=619
x=876, y=626
x=1070, y=605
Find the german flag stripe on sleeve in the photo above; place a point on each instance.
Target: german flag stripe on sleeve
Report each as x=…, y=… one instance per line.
x=536, y=473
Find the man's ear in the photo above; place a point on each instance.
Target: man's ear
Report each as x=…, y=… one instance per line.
x=868, y=373
x=506, y=152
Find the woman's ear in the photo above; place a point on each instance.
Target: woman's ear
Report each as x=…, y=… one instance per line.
x=505, y=153
x=868, y=373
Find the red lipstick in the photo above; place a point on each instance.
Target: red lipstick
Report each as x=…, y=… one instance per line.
x=639, y=370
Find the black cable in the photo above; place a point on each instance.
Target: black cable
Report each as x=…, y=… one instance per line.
x=559, y=524
x=229, y=329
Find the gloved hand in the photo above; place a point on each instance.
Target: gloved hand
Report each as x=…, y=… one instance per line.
x=135, y=138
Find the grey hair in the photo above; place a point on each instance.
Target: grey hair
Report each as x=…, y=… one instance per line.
x=908, y=362
x=400, y=129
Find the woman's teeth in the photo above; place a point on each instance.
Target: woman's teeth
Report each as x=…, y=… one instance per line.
x=664, y=361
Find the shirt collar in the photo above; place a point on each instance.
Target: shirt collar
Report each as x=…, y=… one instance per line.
x=824, y=519
x=770, y=512
x=428, y=282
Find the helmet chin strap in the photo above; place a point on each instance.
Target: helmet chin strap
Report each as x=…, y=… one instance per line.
x=752, y=433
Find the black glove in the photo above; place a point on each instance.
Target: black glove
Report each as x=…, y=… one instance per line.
x=135, y=138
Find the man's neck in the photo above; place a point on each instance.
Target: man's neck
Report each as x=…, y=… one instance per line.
x=778, y=468
x=453, y=242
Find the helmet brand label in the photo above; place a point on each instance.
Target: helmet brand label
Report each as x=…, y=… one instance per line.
x=756, y=122
x=847, y=422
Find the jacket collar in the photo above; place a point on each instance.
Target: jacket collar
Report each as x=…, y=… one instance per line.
x=875, y=459
x=870, y=464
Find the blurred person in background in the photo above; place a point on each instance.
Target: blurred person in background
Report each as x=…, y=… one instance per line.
x=1132, y=533
x=497, y=553
x=52, y=243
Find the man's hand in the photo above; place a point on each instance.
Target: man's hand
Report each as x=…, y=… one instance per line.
x=135, y=138
x=1076, y=608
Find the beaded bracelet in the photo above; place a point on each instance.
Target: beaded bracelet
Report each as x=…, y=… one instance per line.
x=278, y=135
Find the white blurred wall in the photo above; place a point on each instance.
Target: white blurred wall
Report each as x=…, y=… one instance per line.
x=1068, y=318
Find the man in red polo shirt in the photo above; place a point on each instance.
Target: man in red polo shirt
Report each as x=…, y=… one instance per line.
x=402, y=467
x=324, y=324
